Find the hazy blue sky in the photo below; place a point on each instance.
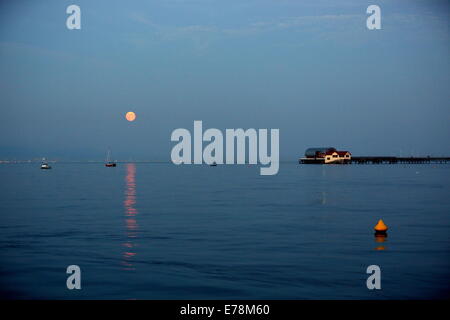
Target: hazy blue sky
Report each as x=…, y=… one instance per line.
x=310, y=68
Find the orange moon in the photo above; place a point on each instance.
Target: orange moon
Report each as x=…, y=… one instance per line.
x=130, y=116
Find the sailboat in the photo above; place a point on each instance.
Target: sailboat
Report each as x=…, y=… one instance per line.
x=45, y=165
x=108, y=162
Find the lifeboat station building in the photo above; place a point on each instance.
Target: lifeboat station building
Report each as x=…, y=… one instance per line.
x=325, y=156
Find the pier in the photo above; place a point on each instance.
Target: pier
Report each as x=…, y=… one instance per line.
x=329, y=155
x=381, y=160
x=393, y=160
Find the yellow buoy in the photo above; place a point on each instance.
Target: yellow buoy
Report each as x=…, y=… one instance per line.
x=380, y=227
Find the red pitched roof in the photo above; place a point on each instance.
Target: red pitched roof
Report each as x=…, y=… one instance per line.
x=340, y=153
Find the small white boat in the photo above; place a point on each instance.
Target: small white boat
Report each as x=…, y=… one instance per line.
x=45, y=165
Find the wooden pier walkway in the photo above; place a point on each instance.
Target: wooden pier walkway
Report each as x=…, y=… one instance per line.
x=392, y=160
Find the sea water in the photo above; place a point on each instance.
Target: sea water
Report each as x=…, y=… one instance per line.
x=161, y=231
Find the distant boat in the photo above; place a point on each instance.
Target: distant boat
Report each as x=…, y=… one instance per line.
x=213, y=164
x=45, y=165
x=108, y=162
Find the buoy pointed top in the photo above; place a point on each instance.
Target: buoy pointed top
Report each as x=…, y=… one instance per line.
x=381, y=226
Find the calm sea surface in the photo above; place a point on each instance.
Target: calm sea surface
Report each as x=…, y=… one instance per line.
x=160, y=231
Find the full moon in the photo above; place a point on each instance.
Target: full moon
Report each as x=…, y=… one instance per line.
x=130, y=116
